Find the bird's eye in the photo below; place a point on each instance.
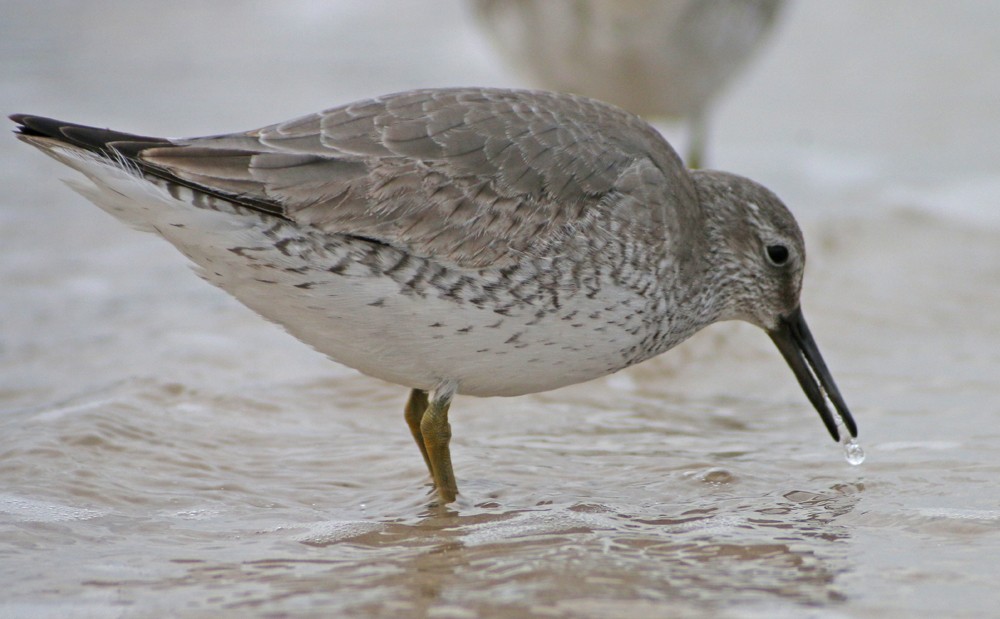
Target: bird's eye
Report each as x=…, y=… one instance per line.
x=777, y=254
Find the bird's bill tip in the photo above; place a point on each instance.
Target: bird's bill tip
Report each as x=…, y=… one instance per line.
x=797, y=346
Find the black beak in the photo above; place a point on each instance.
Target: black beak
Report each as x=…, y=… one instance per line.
x=797, y=346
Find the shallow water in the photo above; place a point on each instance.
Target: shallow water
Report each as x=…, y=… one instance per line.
x=164, y=452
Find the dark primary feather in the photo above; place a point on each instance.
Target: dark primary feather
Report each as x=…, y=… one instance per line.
x=117, y=145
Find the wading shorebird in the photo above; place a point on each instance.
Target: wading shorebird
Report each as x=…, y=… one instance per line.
x=661, y=59
x=464, y=241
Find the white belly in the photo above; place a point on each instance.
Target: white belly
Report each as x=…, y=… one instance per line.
x=375, y=324
x=326, y=290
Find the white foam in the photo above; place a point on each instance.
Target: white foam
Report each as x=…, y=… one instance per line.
x=25, y=509
x=972, y=200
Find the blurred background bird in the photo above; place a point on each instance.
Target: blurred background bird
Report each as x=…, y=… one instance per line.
x=661, y=59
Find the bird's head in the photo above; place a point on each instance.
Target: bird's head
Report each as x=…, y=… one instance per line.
x=755, y=261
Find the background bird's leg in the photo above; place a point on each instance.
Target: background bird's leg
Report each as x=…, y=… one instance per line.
x=414, y=412
x=436, y=432
x=697, y=138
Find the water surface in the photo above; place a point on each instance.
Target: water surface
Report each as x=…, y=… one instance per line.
x=164, y=452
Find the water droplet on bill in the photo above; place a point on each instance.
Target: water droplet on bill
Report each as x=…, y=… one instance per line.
x=853, y=452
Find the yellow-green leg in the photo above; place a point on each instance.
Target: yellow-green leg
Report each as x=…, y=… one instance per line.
x=428, y=421
x=414, y=412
